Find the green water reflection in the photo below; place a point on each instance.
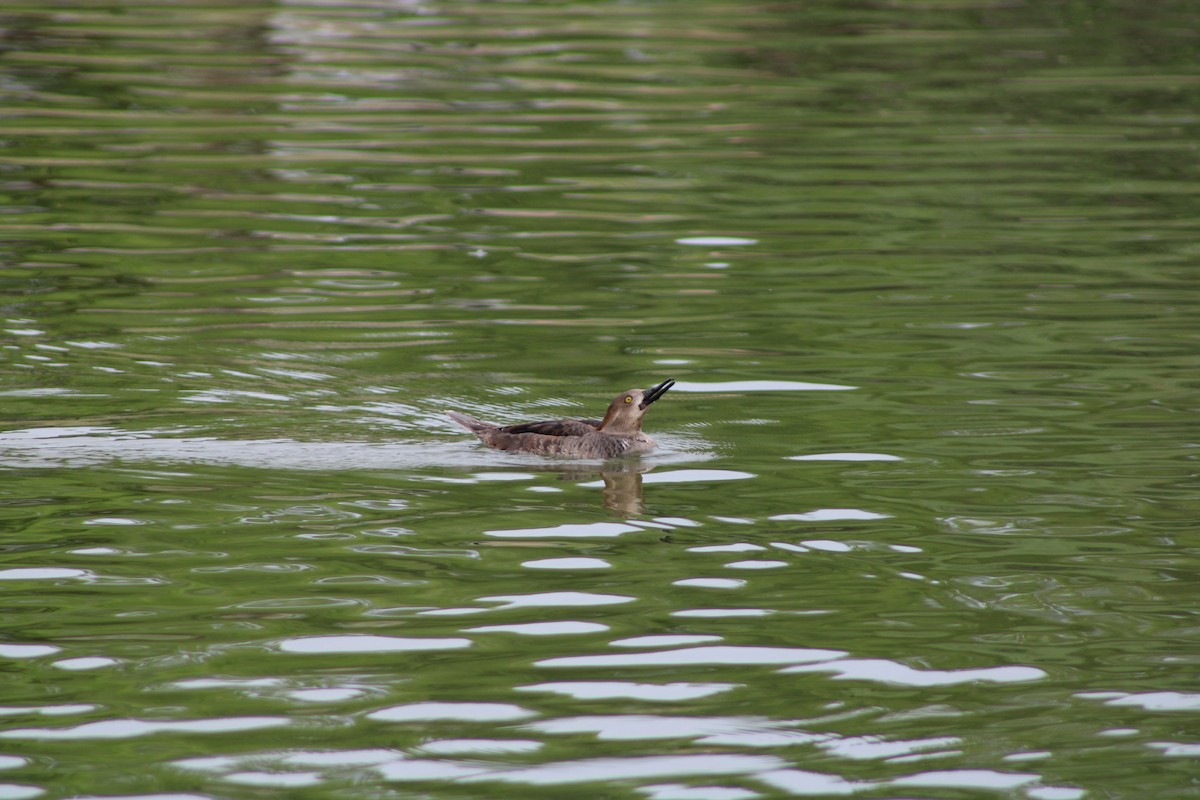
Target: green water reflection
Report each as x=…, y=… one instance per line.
x=921, y=521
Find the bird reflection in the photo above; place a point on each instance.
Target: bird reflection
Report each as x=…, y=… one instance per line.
x=622, y=492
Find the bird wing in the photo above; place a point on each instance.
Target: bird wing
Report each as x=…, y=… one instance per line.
x=555, y=427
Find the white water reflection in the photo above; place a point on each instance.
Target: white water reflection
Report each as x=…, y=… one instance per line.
x=696, y=476
x=678, y=522
x=803, y=782
x=334, y=758
x=711, y=583
x=330, y=695
x=861, y=748
x=828, y=545
x=613, y=769
x=131, y=728
x=759, y=386
x=277, y=780
x=829, y=515
x=453, y=612
x=883, y=671
x=461, y=712
x=567, y=563
x=685, y=476
x=712, y=731
x=739, y=547
x=668, y=640
x=16, y=791
x=968, y=779
x=694, y=656
x=677, y=791
x=1055, y=793
x=48, y=711
x=367, y=643
x=557, y=599
x=414, y=770
x=845, y=457
x=1150, y=701
x=1176, y=749
x=483, y=477
x=563, y=628
x=723, y=612
x=42, y=573
x=456, y=747
x=652, y=692
x=716, y=241
x=85, y=663
x=231, y=683
x=568, y=531
x=27, y=650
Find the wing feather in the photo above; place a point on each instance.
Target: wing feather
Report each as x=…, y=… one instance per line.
x=555, y=427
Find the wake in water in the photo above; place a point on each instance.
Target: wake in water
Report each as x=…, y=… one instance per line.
x=75, y=447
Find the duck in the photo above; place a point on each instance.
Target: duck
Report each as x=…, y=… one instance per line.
x=618, y=434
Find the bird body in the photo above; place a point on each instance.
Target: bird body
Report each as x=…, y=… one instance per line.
x=618, y=434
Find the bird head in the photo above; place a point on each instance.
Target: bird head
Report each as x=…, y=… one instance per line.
x=624, y=415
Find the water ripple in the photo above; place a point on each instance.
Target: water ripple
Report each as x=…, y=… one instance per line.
x=367, y=643
x=653, y=692
x=699, y=656
x=890, y=672
x=564, y=628
x=607, y=769
x=131, y=728
x=466, y=712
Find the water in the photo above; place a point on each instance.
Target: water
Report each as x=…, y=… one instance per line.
x=921, y=521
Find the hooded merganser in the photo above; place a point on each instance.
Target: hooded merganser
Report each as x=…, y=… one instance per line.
x=620, y=431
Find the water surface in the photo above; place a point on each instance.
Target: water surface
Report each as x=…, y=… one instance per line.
x=920, y=523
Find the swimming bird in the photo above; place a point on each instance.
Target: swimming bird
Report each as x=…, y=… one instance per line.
x=620, y=431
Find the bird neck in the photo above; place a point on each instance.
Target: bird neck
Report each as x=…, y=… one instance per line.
x=617, y=423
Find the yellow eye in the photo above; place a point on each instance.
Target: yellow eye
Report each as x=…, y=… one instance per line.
x=628, y=399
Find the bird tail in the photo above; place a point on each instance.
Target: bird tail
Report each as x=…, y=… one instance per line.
x=467, y=421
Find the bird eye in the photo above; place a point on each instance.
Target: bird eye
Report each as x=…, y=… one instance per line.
x=628, y=399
